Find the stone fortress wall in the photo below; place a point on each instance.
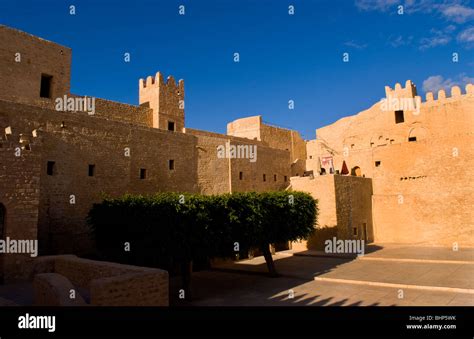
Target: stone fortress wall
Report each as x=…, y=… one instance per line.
x=420, y=165
x=119, y=149
x=147, y=148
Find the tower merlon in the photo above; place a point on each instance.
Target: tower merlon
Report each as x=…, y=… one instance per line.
x=166, y=99
x=409, y=91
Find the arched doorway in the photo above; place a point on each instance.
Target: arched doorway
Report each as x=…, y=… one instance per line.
x=3, y=218
x=355, y=171
x=417, y=133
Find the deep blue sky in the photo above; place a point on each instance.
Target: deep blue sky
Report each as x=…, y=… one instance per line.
x=282, y=57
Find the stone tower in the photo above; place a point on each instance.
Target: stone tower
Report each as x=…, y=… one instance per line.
x=165, y=99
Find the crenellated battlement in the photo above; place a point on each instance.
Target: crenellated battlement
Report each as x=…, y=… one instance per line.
x=409, y=91
x=158, y=80
x=166, y=99
x=454, y=93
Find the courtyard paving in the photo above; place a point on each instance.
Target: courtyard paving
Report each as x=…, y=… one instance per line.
x=390, y=276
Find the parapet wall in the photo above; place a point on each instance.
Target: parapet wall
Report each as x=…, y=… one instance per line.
x=137, y=115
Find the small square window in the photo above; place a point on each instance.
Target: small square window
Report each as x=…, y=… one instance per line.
x=378, y=163
x=311, y=157
x=170, y=126
x=171, y=164
x=410, y=139
x=45, y=90
x=50, y=168
x=399, y=118
x=142, y=173
x=91, y=170
x=241, y=175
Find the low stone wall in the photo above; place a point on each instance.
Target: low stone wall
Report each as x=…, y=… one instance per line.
x=52, y=289
x=109, y=284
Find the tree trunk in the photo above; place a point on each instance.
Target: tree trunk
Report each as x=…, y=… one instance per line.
x=268, y=258
x=186, y=270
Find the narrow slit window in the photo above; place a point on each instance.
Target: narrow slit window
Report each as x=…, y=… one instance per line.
x=45, y=90
x=50, y=167
x=241, y=175
x=91, y=170
x=142, y=173
x=171, y=164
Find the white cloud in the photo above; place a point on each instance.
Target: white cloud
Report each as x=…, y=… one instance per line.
x=437, y=38
x=467, y=35
x=375, y=5
x=457, y=13
x=436, y=82
x=355, y=45
x=400, y=41
x=451, y=10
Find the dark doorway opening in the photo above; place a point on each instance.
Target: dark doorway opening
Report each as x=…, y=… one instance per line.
x=399, y=117
x=45, y=90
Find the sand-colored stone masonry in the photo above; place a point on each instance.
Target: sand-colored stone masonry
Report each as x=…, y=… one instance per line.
x=23, y=59
x=425, y=161
x=20, y=196
x=109, y=284
x=166, y=99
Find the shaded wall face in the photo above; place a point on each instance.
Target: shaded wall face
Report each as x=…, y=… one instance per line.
x=212, y=172
x=284, y=139
x=267, y=169
x=272, y=136
x=19, y=200
x=23, y=60
x=119, y=153
x=354, y=208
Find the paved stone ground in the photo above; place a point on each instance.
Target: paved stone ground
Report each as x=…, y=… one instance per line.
x=213, y=288
x=245, y=283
